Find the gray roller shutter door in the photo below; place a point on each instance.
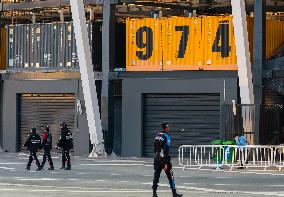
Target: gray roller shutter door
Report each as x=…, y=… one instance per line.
x=197, y=114
x=39, y=110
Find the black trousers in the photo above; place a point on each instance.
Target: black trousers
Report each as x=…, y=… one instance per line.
x=31, y=158
x=47, y=156
x=66, y=158
x=159, y=165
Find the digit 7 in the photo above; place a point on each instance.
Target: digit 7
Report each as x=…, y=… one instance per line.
x=183, y=40
x=148, y=44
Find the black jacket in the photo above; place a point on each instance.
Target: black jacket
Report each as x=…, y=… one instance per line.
x=33, y=143
x=47, y=140
x=162, y=146
x=66, y=140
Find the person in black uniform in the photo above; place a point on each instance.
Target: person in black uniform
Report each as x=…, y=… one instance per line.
x=66, y=143
x=47, y=146
x=162, y=160
x=33, y=144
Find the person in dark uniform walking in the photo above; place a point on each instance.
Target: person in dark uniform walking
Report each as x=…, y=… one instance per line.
x=33, y=144
x=47, y=146
x=162, y=160
x=66, y=143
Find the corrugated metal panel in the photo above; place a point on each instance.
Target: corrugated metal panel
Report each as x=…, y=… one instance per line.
x=3, y=48
x=219, y=50
x=144, y=44
x=274, y=36
x=39, y=110
x=187, y=44
x=182, y=43
x=216, y=45
x=250, y=36
x=16, y=41
x=197, y=114
x=48, y=46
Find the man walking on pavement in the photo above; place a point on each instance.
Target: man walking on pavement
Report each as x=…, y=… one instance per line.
x=47, y=146
x=33, y=144
x=162, y=160
x=66, y=143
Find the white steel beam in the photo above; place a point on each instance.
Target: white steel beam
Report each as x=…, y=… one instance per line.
x=243, y=54
x=87, y=76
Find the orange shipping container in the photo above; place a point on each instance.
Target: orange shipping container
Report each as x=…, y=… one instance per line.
x=218, y=46
x=3, y=49
x=274, y=36
x=182, y=43
x=143, y=44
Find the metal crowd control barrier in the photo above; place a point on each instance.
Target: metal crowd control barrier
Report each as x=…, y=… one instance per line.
x=231, y=156
x=279, y=156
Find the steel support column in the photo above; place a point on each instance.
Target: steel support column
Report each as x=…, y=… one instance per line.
x=259, y=55
x=243, y=55
x=87, y=76
x=107, y=64
x=243, y=62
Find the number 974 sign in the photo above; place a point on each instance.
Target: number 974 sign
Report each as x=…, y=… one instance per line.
x=180, y=43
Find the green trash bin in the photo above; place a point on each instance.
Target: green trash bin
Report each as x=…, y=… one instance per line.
x=217, y=153
x=229, y=152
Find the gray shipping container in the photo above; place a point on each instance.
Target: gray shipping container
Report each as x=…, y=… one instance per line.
x=49, y=46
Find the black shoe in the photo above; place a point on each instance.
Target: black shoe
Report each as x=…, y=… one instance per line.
x=177, y=195
x=62, y=167
x=28, y=168
x=155, y=195
x=51, y=168
x=67, y=168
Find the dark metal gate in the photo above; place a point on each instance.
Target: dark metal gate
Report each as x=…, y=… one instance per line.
x=197, y=114
x=241, y=119
x=39, y=110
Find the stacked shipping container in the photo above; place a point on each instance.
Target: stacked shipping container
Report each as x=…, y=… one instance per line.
x=52, y=46
x=180, y=43
x=176, y=43
x=2, y=49
x=48, y=46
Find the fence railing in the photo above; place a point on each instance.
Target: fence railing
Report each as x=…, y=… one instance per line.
x=231, y=156
x=241, y=119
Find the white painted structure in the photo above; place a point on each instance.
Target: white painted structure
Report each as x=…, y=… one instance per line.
x=87, y=77
x=242, y=49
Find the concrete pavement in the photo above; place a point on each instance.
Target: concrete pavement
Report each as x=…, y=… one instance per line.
x=129, y=177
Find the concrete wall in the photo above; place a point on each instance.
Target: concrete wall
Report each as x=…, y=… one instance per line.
x=11, y=88
x=117, y=125
x=132, y=106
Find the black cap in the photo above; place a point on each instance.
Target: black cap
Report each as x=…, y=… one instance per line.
x=33, y=129
x=164, y=125
x=63, y=124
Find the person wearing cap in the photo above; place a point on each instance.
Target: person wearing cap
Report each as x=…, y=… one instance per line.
x=47, y=146
x=162, y=160
x=33, y=144
x=66, y=143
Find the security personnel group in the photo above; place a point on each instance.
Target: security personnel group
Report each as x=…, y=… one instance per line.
x=34, y=144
